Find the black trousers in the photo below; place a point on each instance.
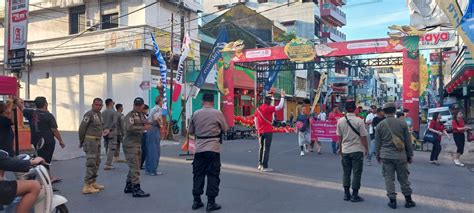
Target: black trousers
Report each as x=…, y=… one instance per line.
x=460, y=140
x=47, y=151
x=264, y=151
x=206, y=164
x=436, y=150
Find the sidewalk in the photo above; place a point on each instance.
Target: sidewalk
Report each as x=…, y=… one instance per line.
x=72, y=150
x=449, y=149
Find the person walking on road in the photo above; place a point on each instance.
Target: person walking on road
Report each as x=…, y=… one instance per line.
x=459, y=136
x=208, y=125
x=109, y=117
x=263, y=125
x=375, y=121
x=437, y=127
x=134, y=123
x=120, y=133
x=153, y=139
x=304, y=137
x=90, y=133
x=395, y=151
x=44, y=130
x=353, y=142
x=334, y=115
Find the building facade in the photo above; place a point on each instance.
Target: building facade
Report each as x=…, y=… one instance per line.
x=100, y=48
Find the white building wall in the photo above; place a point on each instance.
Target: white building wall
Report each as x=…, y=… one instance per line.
x=74, y=83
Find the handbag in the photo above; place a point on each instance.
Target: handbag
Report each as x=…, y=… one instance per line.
x=430, y=137
x=470, y=136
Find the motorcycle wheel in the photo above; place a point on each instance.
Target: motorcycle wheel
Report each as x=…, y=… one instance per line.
x=62, y=209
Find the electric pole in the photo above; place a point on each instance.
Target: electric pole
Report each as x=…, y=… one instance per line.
x=170, y=132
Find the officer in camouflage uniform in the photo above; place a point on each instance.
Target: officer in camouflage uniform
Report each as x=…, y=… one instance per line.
x=394, y=150
x=90, y=134
x=135, y=124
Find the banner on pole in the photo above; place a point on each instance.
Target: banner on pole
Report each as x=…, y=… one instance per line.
x=273, y=74
x=163, y=72
x=318, y=91
x=178, y=84
x=221, y=41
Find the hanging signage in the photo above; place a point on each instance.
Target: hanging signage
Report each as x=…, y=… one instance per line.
x=440, y=39
x=17, y=26
x=300, y=50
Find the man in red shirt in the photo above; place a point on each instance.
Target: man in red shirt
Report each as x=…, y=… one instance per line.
x=263, y=124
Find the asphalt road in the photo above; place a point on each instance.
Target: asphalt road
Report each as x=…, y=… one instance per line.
x=299, y=184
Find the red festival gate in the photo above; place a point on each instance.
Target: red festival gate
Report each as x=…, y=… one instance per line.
x=408, y=45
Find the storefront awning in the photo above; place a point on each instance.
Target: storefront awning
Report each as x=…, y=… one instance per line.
x=8, y=85
x=459, y=80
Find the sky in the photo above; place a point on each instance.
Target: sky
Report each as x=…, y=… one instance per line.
x=370, y=18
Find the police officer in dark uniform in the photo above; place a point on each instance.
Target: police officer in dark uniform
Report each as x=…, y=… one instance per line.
x=134, y=123
x=207, y=124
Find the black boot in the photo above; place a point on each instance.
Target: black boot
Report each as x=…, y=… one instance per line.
x=347, y=194
x=355, y=196
x=212, y=205
x=128, y=188
x=138, y=192
x=409, y=202
x=393, y=203
x=197, y=203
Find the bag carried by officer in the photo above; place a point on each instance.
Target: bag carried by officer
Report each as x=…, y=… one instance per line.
x=399, y=144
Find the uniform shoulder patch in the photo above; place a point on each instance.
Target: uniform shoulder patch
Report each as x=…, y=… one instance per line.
x=131, y=119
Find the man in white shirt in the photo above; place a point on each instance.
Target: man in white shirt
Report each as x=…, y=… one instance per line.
x=368, y=121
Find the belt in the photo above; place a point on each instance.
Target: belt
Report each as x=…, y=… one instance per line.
x=92, y=137
x=209, y=137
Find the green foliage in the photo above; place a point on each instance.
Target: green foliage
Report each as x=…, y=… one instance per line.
x=286, y=37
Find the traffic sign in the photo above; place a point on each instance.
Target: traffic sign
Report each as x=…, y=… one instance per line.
x=145, y=85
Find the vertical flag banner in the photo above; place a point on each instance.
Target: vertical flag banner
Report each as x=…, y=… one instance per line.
x=221, y=41
x=454, y=14
x=273, y=74
x=467, y=22
x=178, y=84
x=411, y=78
x=163, y=72
x=318, y=90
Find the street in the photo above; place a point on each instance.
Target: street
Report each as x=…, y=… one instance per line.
x=299, y=184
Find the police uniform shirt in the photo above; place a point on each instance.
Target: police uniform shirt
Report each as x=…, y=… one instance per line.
x=207, y=122
x=91, y=125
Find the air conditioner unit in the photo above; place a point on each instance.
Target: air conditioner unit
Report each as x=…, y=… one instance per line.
x=91, y=25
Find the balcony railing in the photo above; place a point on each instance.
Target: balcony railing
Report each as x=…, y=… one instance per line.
x=333, y=14
x=333, y=34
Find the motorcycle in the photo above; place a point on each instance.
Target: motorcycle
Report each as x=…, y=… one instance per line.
x=47, y=201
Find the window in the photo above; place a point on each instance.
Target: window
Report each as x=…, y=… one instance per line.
x=300, y=83
x=77, y=19
x=110, y=21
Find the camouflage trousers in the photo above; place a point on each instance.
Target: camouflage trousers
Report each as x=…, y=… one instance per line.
x=110, y=143
x=133, y=152
x=91, y=147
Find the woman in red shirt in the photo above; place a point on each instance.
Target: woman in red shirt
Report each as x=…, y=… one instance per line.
x=459, y=137
x=437, y=127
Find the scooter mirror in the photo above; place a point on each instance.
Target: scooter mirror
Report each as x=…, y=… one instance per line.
x=3, y=154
